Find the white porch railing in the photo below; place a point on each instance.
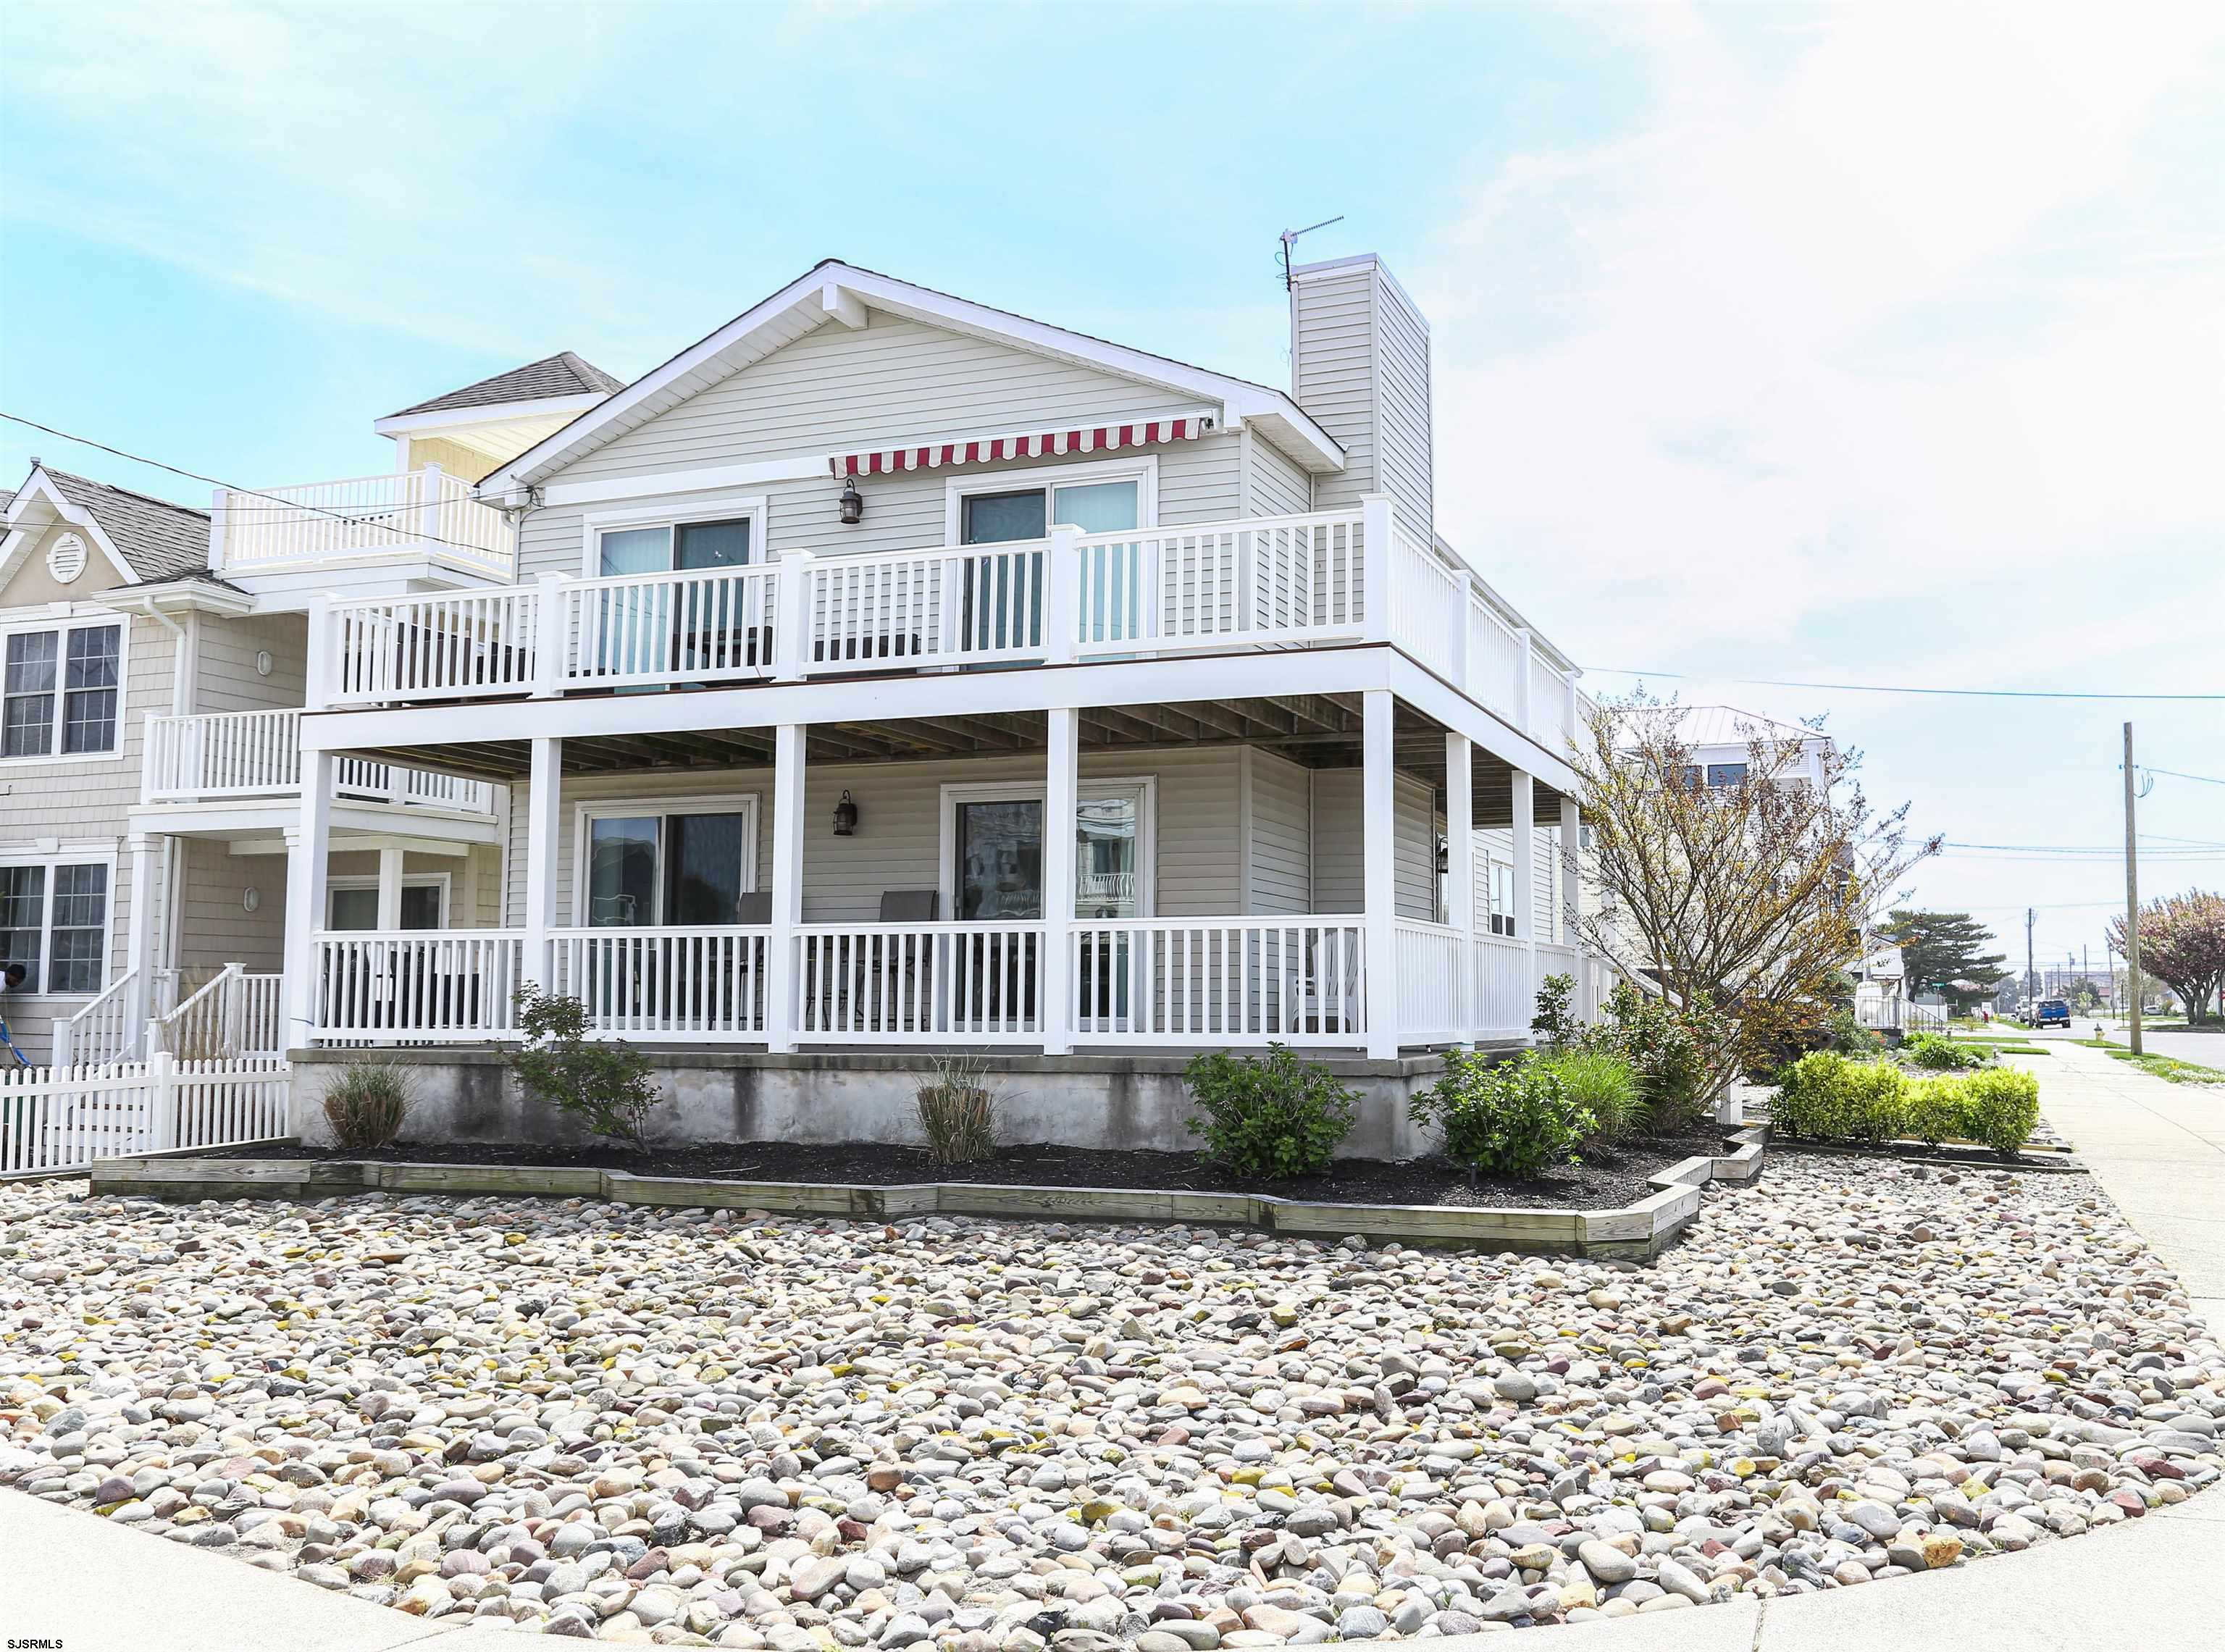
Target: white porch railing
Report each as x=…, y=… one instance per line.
x=448, y=647
x=425, y=512
x=236, y=1012
x=226, y=754
x=64, y=1118
x=416, y=984
x=698, y=984
x=1494, y=658
x=886, y=983
x=101, y=1032
x=1217, y=981
x=1425, y=606
x=1506, y=996
x=969, y=605
x=1281, y=581
x=696, y=625
x=1429, y=982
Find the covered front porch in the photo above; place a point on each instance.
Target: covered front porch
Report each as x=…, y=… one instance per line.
x=1248, y=869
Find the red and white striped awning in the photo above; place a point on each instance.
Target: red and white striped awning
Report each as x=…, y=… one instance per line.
x=978, y=450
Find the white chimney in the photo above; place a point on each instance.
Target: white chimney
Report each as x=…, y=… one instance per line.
x=1359, y=364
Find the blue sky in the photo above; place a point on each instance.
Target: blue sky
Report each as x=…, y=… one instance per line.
x=1868, y=344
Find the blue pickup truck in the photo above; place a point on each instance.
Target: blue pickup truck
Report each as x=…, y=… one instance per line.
x=2051, y=1012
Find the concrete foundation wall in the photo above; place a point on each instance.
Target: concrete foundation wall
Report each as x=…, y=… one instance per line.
x=1119, y=1102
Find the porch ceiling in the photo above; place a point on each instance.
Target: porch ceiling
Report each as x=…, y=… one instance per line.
x=1317, y=730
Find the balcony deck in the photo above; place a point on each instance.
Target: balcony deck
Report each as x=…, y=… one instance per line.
x=424, y=521
x=250, y=758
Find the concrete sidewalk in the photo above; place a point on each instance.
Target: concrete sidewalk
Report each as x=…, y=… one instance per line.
x=2158, y=1148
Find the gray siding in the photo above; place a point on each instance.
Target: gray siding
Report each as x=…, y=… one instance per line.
x=897, y=845
x=215, y=928
x=1359, y=364
x=226, y=680
x=1281, y=871
x=1273, y=485
x=1339, y=882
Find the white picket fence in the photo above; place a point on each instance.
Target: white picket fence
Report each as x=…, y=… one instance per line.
x=63, y=1119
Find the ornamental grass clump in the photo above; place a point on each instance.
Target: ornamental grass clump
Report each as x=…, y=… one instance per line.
x=1603, y=1084
x=1503, y=1118
x=958, y=1110
x=1276, y=1117
x=366, y=1105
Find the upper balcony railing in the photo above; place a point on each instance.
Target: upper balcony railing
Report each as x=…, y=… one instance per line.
x=1249, y=584
x=425, y=513
x=242, y=755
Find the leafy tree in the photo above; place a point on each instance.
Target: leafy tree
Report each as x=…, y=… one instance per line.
x=1942, y=950
x=1749, y=897
x=2182, y=942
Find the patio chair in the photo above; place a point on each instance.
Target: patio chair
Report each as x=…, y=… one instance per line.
x=1326, y=987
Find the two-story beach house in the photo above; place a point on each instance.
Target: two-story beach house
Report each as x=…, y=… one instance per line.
x=149, y=710
x=884, y=674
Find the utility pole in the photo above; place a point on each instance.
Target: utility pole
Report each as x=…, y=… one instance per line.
x=2132, y=904
x=2031, y=973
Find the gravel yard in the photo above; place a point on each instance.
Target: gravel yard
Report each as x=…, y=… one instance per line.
x=701, y=1428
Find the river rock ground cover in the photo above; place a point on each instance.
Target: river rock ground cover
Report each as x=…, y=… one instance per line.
x=696, y=1427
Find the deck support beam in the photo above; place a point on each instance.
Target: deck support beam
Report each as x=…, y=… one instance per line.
x=1460, y=869
x=1525, y=872
x=543, y=810
x=1379, y=865
x=1062, y=803
x=307, y=859
x=783, y=1001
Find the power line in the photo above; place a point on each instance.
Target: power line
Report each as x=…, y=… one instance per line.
x=2205, y=779
x=256, y=493
x=2089, y=848
x=1895, y=688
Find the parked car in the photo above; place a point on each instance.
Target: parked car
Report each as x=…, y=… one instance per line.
x=2053, y=1012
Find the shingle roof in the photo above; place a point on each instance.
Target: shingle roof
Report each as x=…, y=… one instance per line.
x=561, y=374
x=160, y=539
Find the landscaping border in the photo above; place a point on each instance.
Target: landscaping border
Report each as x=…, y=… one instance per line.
x=1638, y=1231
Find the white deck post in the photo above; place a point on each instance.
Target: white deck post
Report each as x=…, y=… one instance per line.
x=1379, y=865
x=1525, y=871
x=1376, y=538
x=791, y=625
x=1572, y=843
x=1062, y=793
x=551, y=643
x=389, y=882
x=783, y=966
x=1061, y=597
x=429, y=504
x=320, y=670
x=306, y=850
x=1460, y=842
x=141, y=962
x=544, y=804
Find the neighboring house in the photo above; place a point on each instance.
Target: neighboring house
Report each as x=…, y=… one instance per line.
x=886, y=670
x=1882, y=987
x=154, y=673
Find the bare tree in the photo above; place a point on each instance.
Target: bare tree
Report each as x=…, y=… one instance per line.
x=1747, y=896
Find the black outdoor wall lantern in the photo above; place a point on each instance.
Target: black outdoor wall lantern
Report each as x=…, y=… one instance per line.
x=853, y=503
x=846, y=818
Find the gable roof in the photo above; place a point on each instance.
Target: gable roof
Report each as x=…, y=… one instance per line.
x=1726, y=725
x=156, y=538
x=832, y=291
x=561, y=374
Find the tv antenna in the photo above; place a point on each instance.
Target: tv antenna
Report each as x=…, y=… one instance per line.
x=1289, y=238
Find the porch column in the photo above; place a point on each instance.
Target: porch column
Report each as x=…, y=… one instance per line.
x=140, y=961
x=1572, y=843
x=1525, y=874
x=390, y=887
x=1062, y=788
x=308, y=849
x=544, y=804
x=1460, y=845
x=1378, y=865
x=783, y=973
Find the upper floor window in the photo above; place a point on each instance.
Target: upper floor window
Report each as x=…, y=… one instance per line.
x=59, y=691
x=1726, y=774
x=672, y=546
x=53, y=921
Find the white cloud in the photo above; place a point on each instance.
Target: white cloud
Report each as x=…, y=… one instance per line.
x=1935, y=311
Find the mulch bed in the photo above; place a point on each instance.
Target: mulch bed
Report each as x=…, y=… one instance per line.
x=1606, y=1180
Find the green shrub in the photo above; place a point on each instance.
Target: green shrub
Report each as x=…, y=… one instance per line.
x=1674, y=1054
x=604, y=1083
x=958, y=1110
x=1277, y=1117
x=1940, y=1054
x=1932, y=1110
x=1845, y=1035
x=2000, y=1107
x=1603, y=1084
x=1504, y=1119
x=1555, y=1023
x=366, y=1104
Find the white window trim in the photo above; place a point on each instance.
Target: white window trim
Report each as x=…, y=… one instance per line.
x=742, y=803
x=78, y=616
x=105, y=856
x=409, y=880
x=673, y=513
x=1146, y=787
x=1143, y=469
